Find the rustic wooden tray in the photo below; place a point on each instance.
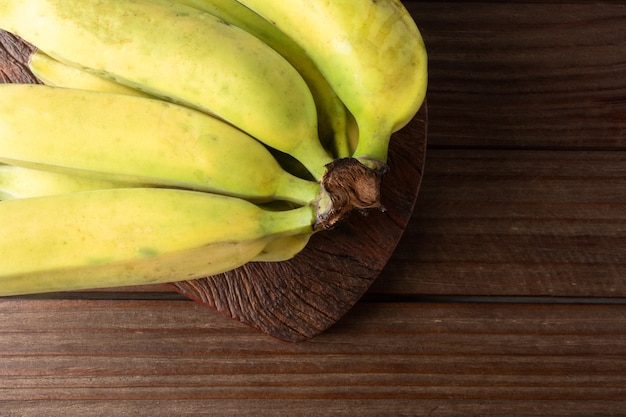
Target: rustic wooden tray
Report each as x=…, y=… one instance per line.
x=300, y=298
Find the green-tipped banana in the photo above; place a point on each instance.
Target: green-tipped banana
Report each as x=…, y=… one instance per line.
x=20, y=182
x=57, y=74
x=135, y=236
x=371, y=53
x=332, y=113
x=115, y=137
x=180, y=53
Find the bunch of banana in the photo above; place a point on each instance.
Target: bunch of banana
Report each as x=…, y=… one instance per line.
x=183, y=54
x=179, y=139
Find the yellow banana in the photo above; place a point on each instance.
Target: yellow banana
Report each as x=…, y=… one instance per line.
x=132, y=236
x=117, y=137
x=332, y=113
x=283, y=248
x=57, y=74
x=183, y=54
x=371, y=53
x=20, y=182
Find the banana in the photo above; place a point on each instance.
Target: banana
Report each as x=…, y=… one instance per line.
x=180, y=53
x=132, y=236
x=371, y=53
x=20, y=182
x=332, y=113
x=57, y=74
x=115, y=137
x=283, y=248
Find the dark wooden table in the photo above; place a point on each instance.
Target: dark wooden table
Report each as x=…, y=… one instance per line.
x=506, y=295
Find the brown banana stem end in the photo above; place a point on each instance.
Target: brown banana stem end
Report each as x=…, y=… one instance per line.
x=347, y=186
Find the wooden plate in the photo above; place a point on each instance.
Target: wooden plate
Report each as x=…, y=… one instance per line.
x=300, y=298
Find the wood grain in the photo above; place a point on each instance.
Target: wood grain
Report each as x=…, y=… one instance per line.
x=525, y=74
x=524, y=223
x=13, y=58
x=400, y=357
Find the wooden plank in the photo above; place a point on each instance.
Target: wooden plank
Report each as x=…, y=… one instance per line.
x=312, y=407
x=526, y=74
x=515, y=223
x=98, y=355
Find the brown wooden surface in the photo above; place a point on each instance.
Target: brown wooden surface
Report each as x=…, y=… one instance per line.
x=506, y=295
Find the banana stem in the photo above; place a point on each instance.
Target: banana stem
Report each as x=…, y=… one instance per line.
x=342, y=145
x=348, y=185
x=297, y=190
x=289, y=222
